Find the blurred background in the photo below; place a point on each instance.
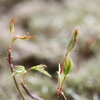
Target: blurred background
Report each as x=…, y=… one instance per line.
x=52, y=21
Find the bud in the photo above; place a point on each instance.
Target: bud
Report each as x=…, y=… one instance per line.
x=73, y=39
x=68, y=65
x=12, y=28
x=64, y=71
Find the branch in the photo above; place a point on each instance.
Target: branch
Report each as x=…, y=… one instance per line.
x=29, y=93
x=9, y=58
x=26, y=89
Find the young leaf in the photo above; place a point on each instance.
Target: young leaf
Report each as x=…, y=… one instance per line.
x=19, y=71
x=68, y=65
x=25, y=37
x=73, y=39
x=12, y=28
x=40, y=68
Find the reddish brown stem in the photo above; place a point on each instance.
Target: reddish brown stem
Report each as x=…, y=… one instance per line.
x=29, y=93
x=62, y=66
x=61, y=96
x=9, y=58
x=26, y=89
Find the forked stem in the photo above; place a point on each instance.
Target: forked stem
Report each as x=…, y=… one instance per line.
x=26, y=89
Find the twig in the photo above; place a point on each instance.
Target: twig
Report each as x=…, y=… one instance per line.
x=26, y=89
x=9, y=58
x=30, y=94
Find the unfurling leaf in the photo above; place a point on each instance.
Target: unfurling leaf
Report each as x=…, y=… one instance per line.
x=40, y=68
x=25, y=37
x=12, y=28
x=73, y=39
x=19, y=71
x=67, y=67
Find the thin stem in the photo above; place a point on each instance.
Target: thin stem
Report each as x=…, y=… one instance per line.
x=61, y=96
x=62, y=66
x=30, y=94
x=11, y=67
x=26, y=89
x=61, y=70
x=63, y=81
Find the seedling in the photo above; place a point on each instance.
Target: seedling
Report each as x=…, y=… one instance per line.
x=67, y=65
x=21, y=69
x=63, y=70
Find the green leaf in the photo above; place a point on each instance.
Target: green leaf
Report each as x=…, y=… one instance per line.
x=73, y=39
x=24, y=37
x=68, y=65
x=20, y=70
x=40, y=68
